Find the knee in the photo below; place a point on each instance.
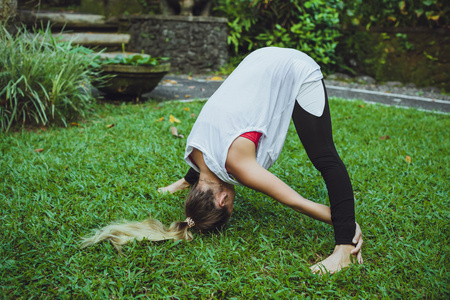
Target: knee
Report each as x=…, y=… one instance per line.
x=326, y=160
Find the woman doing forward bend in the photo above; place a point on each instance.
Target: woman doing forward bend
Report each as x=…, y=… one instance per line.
x=239, y=135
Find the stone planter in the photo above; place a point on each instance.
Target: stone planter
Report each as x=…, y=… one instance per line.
x=131, y=81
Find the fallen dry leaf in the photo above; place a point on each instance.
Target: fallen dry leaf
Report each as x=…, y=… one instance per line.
x=169, y=81
x=172, y=119
x=186, y=109
x=160, y=119
x=174, y=132
x=362, y=106
x=110, y=125
x=216, y=78
x=191, y=87
x=408, y=159
x=193, y=115
x=385, y=137
x=74, y=124
x=187, y=96
x=39, y=150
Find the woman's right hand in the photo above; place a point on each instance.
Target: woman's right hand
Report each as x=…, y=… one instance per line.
x=357, y=239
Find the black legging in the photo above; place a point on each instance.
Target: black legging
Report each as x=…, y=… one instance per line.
x=317, y=139
x=316, y=136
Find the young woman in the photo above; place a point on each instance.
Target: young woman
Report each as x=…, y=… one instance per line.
x=238, y=136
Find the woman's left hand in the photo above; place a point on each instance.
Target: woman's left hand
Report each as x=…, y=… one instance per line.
x=357, y=239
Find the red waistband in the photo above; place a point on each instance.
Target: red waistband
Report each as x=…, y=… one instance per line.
x=253, y=136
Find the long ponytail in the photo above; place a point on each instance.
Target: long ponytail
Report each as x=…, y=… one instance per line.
x=200, y=210
x=150, y=229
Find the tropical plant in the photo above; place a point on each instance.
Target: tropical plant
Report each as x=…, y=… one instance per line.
x=242, y=16
x=311, y=26
x=315, y=26
x=392, y=13
x=130, y=59
x=42, y=81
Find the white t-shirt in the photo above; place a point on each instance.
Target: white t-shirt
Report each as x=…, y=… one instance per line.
x=258, y=96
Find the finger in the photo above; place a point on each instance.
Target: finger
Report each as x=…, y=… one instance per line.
x=357, y=247
x=357, y=237
x=358, y=234
x=359, y=257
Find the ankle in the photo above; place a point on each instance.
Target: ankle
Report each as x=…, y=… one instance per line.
x=343, y=248
x=183, y=183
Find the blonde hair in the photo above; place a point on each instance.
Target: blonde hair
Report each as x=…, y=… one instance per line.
x=150, y=229
x=199, y=207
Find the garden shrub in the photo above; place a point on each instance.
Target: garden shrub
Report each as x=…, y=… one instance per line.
x=310, y=26
x=42, y=81
x=242, y=16
x=393, y=13
x=315, y=26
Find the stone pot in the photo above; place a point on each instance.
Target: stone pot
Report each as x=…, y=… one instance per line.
x=132, y=81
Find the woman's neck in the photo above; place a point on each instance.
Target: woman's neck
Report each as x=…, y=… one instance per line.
x=205, y=172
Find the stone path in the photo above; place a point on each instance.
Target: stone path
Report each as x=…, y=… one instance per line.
x=186, y=88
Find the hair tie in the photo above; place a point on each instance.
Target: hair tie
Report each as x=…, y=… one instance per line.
x=190, y=222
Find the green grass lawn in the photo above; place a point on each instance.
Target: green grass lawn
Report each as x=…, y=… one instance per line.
x=89, y=175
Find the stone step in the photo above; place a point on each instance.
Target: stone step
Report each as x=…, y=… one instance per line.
x=93, y=39
x=67, y=20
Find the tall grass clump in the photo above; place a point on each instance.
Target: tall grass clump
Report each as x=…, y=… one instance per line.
x=42, y=81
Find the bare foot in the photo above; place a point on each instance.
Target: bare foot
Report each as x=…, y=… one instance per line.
x=339, y=259
x=175, y=187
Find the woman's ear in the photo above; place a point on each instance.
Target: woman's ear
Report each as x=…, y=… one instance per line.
x=222, y=199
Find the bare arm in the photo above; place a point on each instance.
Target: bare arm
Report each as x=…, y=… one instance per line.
x=241, y=162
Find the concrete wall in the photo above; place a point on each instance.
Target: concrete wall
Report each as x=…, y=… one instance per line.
x=194, y=44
